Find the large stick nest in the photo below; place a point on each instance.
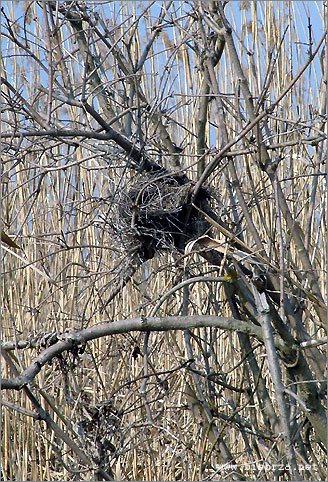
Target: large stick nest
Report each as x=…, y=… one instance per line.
x=153, y=213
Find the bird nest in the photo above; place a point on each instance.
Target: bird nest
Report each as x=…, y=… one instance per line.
x=153, y=213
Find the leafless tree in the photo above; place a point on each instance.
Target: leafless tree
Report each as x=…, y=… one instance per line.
x=163, y=172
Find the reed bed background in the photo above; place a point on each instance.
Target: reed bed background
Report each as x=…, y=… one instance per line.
x=62, y=202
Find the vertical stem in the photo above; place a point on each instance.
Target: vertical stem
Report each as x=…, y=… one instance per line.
x=275, y=372
x=281, y=252
x=50, y=62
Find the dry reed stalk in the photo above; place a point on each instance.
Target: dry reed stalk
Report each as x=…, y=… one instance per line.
x=60, y=224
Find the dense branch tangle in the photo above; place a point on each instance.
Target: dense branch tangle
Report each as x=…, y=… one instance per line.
x=156, y=167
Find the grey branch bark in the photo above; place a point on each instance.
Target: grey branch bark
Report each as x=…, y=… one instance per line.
x=67, y=341
x=275, y=371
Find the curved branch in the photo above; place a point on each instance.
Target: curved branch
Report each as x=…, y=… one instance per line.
x=186, y=283
x=68, y=341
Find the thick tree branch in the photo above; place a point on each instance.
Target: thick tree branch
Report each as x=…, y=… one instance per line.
x=68, y=341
